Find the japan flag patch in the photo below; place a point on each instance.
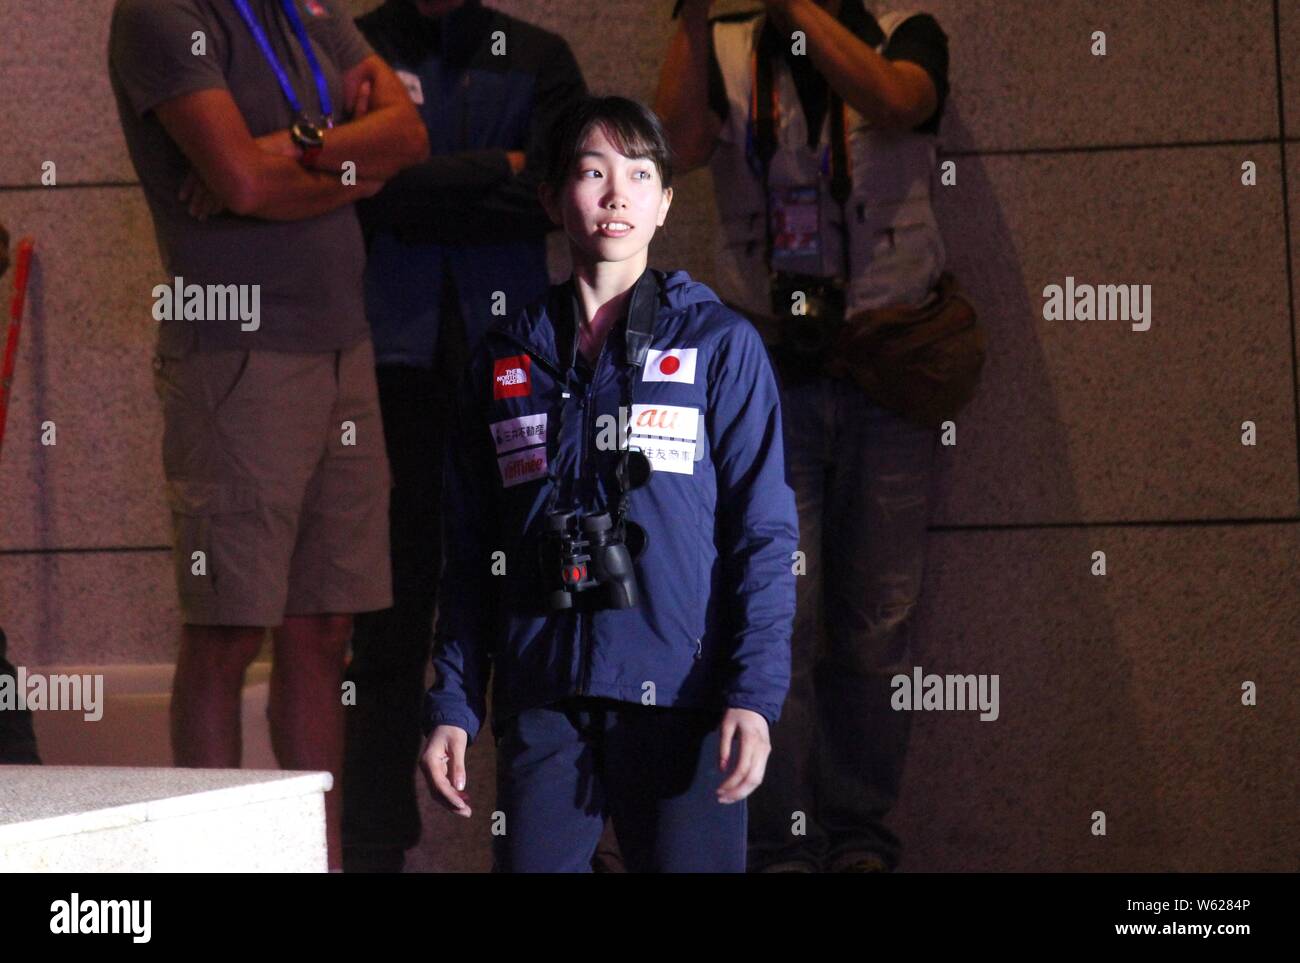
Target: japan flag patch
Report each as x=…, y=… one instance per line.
x=675, y=364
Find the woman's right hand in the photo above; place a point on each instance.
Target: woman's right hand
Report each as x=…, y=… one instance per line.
x=443, y=764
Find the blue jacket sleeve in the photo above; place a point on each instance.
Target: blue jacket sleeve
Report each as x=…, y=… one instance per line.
x=463, y=637
x=758, y=530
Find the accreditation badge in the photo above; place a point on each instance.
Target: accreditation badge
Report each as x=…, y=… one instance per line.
x=796, y=223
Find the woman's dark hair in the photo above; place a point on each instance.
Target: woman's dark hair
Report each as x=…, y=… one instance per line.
x=631, y=127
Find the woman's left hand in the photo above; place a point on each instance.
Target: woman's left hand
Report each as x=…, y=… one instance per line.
x=752, y=750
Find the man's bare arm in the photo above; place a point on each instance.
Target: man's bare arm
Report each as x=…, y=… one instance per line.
x=888, y=93
x=387, y=138
x=245, y=178
x=683, y=96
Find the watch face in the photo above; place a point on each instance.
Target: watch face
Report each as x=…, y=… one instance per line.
x=307, y=134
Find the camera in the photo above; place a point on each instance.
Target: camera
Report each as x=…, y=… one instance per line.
x=583, y=553
x=810, y=334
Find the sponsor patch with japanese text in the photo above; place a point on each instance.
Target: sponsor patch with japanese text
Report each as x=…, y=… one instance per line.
x=667, y=435
x=519, y=432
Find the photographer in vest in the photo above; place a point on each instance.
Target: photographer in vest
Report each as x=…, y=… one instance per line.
x=818, y=122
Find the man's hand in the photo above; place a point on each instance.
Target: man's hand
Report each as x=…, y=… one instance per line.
x=280, y=143
x=384, y=134
x=751, y=754
x=443, y=764
x=202, y=203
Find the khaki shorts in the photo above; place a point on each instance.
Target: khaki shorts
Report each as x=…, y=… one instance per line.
x=277, y=479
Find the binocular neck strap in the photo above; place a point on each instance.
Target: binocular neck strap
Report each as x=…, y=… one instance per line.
x=642, y=310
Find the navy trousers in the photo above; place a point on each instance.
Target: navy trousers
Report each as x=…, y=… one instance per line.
x=562, y=768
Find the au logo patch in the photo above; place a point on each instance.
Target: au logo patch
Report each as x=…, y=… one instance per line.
x=667, y=435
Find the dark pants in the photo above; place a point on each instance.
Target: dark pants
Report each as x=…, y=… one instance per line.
x=17, y=737
x=390, y=649
x=861, y=478
x=562, y=768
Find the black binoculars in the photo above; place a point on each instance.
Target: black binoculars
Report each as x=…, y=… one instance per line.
x=583, y=553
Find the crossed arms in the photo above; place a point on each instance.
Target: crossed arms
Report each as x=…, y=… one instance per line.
x=262, y=177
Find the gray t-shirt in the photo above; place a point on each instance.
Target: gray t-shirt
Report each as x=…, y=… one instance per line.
x=309, y=270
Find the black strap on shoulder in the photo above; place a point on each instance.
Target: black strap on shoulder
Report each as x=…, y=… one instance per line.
x=642, y=310
x=643, y=306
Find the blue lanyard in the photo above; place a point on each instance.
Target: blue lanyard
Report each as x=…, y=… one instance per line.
x=327, y=109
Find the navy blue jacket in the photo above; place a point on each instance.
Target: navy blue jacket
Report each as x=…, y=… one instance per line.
x=462, y=215
x=717, y=584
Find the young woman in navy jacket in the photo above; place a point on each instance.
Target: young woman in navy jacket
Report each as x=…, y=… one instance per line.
x=620, y=541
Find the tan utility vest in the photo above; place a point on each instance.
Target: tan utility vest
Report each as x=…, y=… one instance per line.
x=895, y=251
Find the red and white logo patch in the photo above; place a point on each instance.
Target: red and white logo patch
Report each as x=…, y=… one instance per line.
x=675, y=364
x=510, y=377
x=522, y=466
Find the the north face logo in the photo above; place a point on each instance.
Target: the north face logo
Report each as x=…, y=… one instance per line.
x=510, y=377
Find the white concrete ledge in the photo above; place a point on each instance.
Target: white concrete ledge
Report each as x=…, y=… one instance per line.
x=92, y=819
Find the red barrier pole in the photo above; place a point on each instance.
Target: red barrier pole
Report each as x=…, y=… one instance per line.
x=21, y=273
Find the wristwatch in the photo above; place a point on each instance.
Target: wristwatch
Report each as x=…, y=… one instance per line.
x=310, y=140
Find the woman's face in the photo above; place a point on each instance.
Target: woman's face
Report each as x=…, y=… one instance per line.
x=611, y=204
